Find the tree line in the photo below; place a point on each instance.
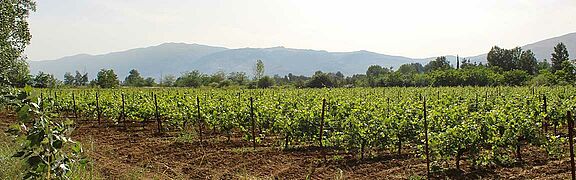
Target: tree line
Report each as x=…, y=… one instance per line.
x=510, y=67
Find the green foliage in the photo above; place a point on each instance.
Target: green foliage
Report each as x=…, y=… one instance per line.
x=515, y=77
x=320, y=80
x=190, y=79
x=77, y=80
x=480, y=125
x=168, y=81
x=14, y=37
x=106, y=78
x=559, y=56
x=47, y=151
x=134, y=79
x=544, y=78
x=440, y=63
x=238, y=78
x=265, y=82
x=544, y=65
x=258, y=70
x=43, y=80
x=528, y=62
x=412, y=68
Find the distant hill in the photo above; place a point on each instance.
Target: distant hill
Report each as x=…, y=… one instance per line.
x=176, y=58
x=543, y=49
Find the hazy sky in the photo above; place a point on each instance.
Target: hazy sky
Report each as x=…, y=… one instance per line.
x=412, y=28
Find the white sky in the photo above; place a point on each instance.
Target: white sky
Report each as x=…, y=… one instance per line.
x=412, y=28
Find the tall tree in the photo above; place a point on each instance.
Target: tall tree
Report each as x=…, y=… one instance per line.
x=81, y=79
x=543, y=65
x=168, y=80
x=559, y=56
x=528, y=62
x=134, y=79
x=14, y=37
x=190, y=79
x=239, y=78
x=44, y=80
x=265, y=82
x=372, y=74
x=69, y=79
x=507, y=59
x=411, y=68
x=106, y=78
x=440, y=63
x=258, y=69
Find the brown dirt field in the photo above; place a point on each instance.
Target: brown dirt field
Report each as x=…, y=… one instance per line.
x=139, y=153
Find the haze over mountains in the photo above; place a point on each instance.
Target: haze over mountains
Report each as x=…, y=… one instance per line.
x=176, y=58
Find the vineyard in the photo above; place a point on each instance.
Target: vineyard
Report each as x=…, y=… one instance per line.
x=482, y=127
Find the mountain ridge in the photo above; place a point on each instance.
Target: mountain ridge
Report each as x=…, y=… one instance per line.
x=177, y=57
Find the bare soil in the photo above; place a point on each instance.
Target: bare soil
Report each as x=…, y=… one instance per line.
x=139, y=153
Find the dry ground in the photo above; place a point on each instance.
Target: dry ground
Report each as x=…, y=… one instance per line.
x=139, y=153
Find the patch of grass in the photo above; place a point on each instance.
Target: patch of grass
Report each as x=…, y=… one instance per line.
x=135, y=174
x=11, y=167
x=337, y=158
x=87, y=171
x=187, y=137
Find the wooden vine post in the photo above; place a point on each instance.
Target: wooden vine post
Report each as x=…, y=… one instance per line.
x=56, y=99
x=74, y=105
x=426, y=141
x=98, y=109
x=253, y=123
x=199, y=119
x=545, y=123
x=571, y=142
x=123, y=117
x=41, y=101
x=158, y=120
x=322, y=122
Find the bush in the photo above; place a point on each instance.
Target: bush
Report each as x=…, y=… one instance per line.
x=515, y=77
x=265, y=82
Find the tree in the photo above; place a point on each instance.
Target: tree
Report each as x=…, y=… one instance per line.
x=134, y=79
x=77, y=80
x=106, y=78
x=543, y=65
x=265, y=82
x=84, y=80
x=258, y=69
x=373, y=72
x=559, y=55
x=168, y=81
x=239, y=78
x=14, y=37
x=501, y=58
x=320, y=80
x=569, y=72
x=466, y=63
x=44, y=80
x=412, y=68
x=149, y=82
x=515, y=77
x=69, y=79
x=218, y=77
x=190, y=79
x=544, y=78
x=440, y=63
x=528, y=62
